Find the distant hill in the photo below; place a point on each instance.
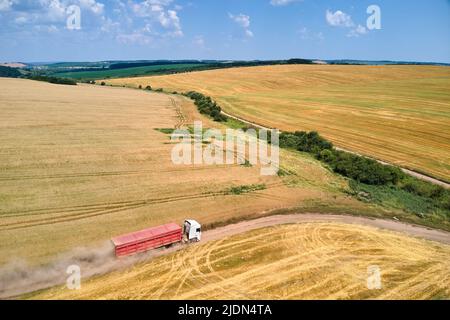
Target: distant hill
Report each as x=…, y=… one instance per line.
x=7, y=72
x=125, y=69
x=13, y=64
x=110, y=69
x=383, y=62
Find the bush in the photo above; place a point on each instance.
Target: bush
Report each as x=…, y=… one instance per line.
x=207, y=106
x=423, y=188
x=103, y=83
x=362, y=169
x=140, y=86
x=326, y=156
x=53, y=80
x=310, y=142
x=9, y=72
x=245, y=189
x=347, y=164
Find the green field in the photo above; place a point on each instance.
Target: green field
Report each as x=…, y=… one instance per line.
x=127, y=72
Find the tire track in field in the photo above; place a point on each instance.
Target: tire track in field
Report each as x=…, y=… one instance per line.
x=112, y=173
x=110, y=204
x=83, y=212
x=322, y=250
x=181, y=118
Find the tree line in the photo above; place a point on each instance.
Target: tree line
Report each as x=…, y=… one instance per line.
x=207, y=106
x=362, y=169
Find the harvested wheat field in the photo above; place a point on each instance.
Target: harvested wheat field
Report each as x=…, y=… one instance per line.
x=81, y=164
x=315, y=260
x=399, y=114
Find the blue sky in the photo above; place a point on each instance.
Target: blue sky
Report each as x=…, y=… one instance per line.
x=36, y=30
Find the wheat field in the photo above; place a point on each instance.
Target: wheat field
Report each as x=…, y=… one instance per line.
x=298, y=261
x=400, y=114
x=81, y=164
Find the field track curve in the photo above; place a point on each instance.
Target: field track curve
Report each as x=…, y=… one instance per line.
x=396, y=226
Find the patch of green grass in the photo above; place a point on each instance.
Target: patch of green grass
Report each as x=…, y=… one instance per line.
x=236, y=124
x=165, y=130
x=245, y=189
x=397, y=198
x=284, y=172
x=246, y=164
x=127, y=72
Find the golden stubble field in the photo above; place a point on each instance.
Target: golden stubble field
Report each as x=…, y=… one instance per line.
x=399, y=114
x=80, y=164
x=298, y=261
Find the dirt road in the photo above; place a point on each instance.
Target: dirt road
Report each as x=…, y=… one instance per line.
x=97, y=261
x=408, y=229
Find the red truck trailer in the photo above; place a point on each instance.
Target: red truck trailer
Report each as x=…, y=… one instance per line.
x=147, y=239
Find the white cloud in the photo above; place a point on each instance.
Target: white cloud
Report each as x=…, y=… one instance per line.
x=5, y=5
x=126, y=21
x=170, y=20
x=278, y=3
x=358, y=31
x=21, y=20
x=320, y=36
x=52, y=10
x=134, y=38
x=48, y=29
x=199, y=41
x=243, y=21
x=157, y=10
x=306, y=34
x=109, y=25
x=148, y=8
x=47, y=12
x=339, y=19
x=92, y=5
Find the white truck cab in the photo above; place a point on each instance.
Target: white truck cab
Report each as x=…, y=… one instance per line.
x=192, y=231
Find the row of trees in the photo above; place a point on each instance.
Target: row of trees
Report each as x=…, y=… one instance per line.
x=207, y=106
x=347, y=164
x=9, y=72
x=362, y=169
x=54, y=80
x=310, y=142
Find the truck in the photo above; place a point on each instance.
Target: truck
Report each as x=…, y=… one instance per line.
x=156, y=237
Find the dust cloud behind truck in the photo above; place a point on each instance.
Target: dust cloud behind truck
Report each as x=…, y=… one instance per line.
x=156, y=237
